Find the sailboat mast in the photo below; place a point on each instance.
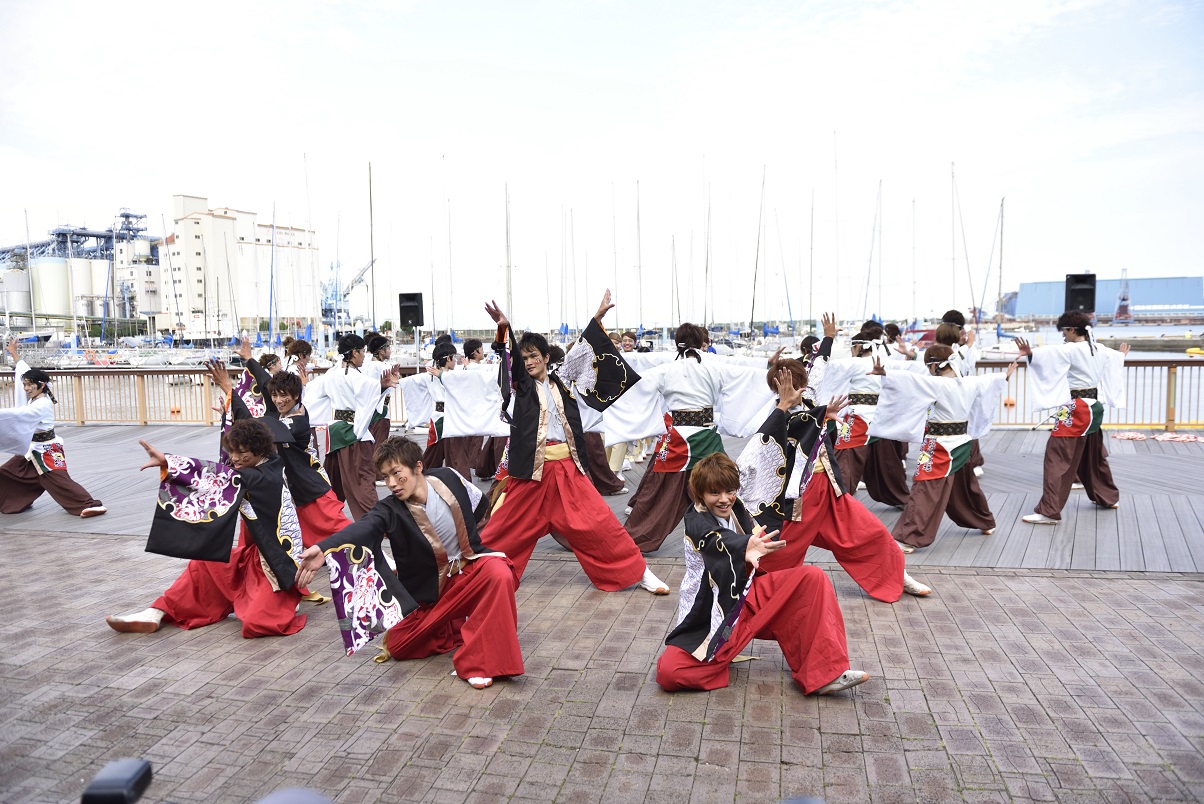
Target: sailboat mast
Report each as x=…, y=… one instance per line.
x=999, y=304
x=757, y=257
x=811, y=266
x=639, y=256
x=371, y=247
x=509, y=268
x=614, y=248
x=953, y=233
x=451, y=284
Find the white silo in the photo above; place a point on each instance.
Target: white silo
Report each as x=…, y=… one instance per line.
x=80, y=286
x=101, y=287
x=51, y=294
x=16, y=298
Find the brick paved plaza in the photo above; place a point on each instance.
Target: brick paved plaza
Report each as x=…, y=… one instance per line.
x=1005, y=685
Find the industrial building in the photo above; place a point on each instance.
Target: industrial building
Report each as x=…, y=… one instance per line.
x=1163, y=299
x=220, y=272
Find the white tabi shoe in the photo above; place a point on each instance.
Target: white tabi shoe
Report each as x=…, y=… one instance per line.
x=913, y=587
x=1039, y=519
x=653, y=584
x=95, y=510
x=476, y=682
x=146, y=621
x=978, y=471
x=861, y=485
x=1076, y=486
x=847, y=679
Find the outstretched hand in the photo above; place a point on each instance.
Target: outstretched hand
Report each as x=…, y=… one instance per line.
x=221, y=378
x=1123, y=348
x=835, y=406
x=1011, y=369
x=1025, y=349
x=311, y=561
x=495, y=312
x=829, y=322
x=244, y=349
x=788, y=395
x=604, y=307
x=12, y=349
x=154, y=458
x=761, y=544
x=878, y=368
x=774, y=357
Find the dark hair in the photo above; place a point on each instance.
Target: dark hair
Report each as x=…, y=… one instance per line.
x=691, y=339
x=807, y=342
x=937, y=354
x=1073, y=318
x=533, y=340
x=376, y=342
x=41, y=379
x=954, y=317
x=250, y=435
x=444, y=338
x=288, y=341
x=267, y=360
x=443, y=352
x=948, y=334
x=349, y=343
x=300, y=349
x=892, y=331
x=798, y=373
x=398, y=450
x=287, y=383
x=471, y=346
x=555, y=354
x=870, y=331
x=714, y=473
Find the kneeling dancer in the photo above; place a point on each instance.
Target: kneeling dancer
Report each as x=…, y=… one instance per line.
x=448, y=592
x=199, y=504
x=795, y=607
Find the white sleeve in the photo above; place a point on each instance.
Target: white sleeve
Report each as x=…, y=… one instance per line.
x=987, y=390
x=743, y=394
x=368, y=396
x=417, y=399
x=472, y=405
x=1047, y=375
x=17, y=426
x=19, y=397
x=903, y=406
x=836, y=377
x=639, y=413
x=317, y=402
x=1112, y=377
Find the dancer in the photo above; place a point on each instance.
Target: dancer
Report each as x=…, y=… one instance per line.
x=42, y=466
x=789, y=481
x=458, y=452
x=726, y=602
x=1077, y=377
x=944, y=411
x=347, y=398
x=296, y=359
x=381, y=350
x=448, y=592
x=965, y=359
x=861, y=456
x=200, y=504
x=547, y=487
x=319, y=510
x=693, y=388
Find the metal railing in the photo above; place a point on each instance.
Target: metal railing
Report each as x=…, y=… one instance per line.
x=1161, y=394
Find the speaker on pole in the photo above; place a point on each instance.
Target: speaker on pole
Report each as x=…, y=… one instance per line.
x=409, y=313
x=1080, y=293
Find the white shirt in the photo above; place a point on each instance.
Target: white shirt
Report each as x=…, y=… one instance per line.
x=440, y=515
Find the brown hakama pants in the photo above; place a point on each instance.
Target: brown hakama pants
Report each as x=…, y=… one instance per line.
x=20, y=485
x=1084, y=458
x=880, y=466
x=353, y=477
x=958, y=495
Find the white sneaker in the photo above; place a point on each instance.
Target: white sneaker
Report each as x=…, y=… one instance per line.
x=1076, y=486
x=913, y=587
x=978, y=471
x=1039, y=519
x=861, y=485
x=95, y=510
x=653, y=584
x=146, y=621
x=627, y=511
x=849, y=678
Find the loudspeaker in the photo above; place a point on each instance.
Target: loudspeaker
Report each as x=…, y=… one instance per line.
x=409, y=309
x=1080, y=293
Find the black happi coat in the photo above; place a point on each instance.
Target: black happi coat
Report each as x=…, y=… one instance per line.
x=716, y=574
x=420, y=557
x=785, y=435
x=306, y=480
x=614, y=376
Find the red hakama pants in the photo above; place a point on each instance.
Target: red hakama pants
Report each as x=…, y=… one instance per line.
x=858, y=540
x=565, y=501
x=796, y=608
x=208, y=591
x=321, y=518
x=475, y=613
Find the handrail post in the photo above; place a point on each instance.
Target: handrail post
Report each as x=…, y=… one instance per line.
x=77, y=390
x=140, y=390
x=1172, y=387
x=206, y=395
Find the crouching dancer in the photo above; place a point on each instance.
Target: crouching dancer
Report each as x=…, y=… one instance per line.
x=200, y=503
x=796, y=607
x=448, y=592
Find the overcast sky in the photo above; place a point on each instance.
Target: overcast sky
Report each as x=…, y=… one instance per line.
x=1087, y=116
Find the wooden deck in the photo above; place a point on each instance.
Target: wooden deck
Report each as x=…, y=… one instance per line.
x=1159, y=526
